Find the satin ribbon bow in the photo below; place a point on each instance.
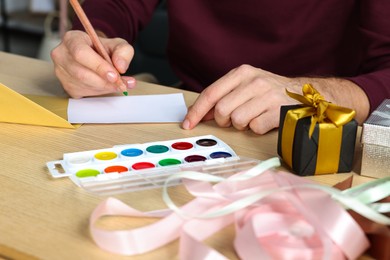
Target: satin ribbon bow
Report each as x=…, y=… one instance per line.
x=321, y=110
x=277, y=215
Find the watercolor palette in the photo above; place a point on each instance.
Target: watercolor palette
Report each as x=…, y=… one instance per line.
x=141, y=166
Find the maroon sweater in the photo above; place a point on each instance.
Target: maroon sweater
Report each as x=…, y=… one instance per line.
x=348, y=38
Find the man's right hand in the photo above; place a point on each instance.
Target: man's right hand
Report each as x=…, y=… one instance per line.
x=83, y=72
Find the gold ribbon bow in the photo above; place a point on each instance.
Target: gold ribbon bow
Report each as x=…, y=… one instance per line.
x=321, y=110
x=329, y=116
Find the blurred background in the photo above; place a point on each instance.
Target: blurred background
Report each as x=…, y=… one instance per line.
x=33, y=27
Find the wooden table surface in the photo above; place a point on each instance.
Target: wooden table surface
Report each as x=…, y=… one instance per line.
x=46, y=218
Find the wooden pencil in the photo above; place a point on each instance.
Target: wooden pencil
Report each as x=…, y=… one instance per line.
x=95, y=39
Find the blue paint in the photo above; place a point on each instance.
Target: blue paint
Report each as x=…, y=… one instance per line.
x=132, y=152
x=216, y=155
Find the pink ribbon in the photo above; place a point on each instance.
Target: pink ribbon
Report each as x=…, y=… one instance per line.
x=291, y=221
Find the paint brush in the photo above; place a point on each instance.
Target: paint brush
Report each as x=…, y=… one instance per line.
x=95, y=40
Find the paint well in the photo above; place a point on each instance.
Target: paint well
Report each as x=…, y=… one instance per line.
x=115, y=168
x=105, y=156
x=79, y=160
x=132, y=152
x=169, y=161
x=142, y=165
x=195, y=158
x=182, y=146
x=87, y=173
x=206, y=142
x=157, y=149
x=220, y=155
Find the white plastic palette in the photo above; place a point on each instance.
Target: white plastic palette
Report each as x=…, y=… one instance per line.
x=134, y=167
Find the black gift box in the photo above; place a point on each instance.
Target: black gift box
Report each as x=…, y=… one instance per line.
x=304, y=150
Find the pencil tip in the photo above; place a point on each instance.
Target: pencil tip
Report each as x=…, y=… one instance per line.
x=125, y=93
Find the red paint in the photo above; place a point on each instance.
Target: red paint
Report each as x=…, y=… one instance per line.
x=142, y=165
x=182, y=146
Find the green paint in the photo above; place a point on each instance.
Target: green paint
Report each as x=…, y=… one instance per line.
x=87, y=173
x=157, y=149
x=169, y=161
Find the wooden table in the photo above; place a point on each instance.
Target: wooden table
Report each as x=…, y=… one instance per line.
x=47, y=218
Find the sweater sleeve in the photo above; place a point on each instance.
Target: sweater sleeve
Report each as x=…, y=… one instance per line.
x=119, y=18
x=374, y=76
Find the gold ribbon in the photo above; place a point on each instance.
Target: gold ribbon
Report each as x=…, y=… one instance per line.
x=329, y=116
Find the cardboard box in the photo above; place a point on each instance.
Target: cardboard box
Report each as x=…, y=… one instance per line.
x=376, y=143
x=305, y=152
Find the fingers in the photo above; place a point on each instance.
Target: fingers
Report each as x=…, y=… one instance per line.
x=242, y=116
x=82, y=53
x=82, y=82
x=209, y=97
x=260, y=114
x=246, y=98
x=121, y=53
x=130, y=82
x=265, y=122
x=233, y=107
x=83, y=72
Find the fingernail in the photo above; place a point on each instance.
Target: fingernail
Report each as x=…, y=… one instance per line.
x=130, y=83
x=186, y=124
x=111, y=76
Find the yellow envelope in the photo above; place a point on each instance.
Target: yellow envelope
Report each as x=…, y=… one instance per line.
x=33, y=110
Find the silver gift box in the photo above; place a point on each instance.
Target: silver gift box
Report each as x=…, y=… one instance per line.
x=376, y=143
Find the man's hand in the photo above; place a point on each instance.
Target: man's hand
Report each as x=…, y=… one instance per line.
x=83, y=72
x=250, y=98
